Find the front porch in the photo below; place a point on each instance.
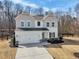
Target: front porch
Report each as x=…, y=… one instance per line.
x=51, y=37
x=48, y=35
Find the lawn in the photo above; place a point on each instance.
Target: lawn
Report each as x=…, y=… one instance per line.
x=5, y=51
x=67, y=50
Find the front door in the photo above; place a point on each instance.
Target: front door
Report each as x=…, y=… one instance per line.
x=52, y=35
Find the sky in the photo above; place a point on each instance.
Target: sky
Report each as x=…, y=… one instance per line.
x=49, y=4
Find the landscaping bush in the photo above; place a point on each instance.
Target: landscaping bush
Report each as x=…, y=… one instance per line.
x=52, y=40
x=55, y=40
x=61, y=38
x=13, y=42
x=16, y=44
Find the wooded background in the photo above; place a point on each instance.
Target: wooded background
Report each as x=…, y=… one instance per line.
x=68, y=23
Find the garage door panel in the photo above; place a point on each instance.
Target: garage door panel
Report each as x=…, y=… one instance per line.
x=29, y=37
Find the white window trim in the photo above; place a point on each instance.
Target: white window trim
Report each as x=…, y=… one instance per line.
x=22, y=24
x=36, y=24
x=47, y=24
x=53, y=23
x=28, y=24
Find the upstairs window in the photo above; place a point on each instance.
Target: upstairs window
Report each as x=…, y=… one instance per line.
x=52, y=24
x=38, y=23
x=22, y=23
x=28, y=24
x=47, y=24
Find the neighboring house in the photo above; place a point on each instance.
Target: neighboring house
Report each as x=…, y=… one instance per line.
x=34, y=29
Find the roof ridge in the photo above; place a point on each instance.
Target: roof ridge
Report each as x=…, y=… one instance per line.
x=36, y=17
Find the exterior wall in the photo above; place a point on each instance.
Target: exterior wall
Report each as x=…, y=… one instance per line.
x=41, y=23
x=18, y=23
x=52, y=29
x=25, y=37
x=34, y=36
x=46, y=35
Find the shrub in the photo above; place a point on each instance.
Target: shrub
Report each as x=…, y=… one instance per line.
x=52, y=40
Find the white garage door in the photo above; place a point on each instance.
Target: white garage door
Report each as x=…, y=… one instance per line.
x=25, y=37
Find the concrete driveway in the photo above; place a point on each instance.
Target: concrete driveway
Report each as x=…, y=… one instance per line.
x=32, y=52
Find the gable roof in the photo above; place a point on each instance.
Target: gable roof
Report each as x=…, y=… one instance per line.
x=50, y=15
x=24, y=15
x=36, y=17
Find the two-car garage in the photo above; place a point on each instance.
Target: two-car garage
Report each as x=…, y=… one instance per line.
x=25, y=37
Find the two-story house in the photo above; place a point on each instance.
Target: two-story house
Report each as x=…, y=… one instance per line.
x=33, y=29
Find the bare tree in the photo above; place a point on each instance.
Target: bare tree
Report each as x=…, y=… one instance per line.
x=65, y=26
x=18, y=9
x=77, y=8
x=28, y=9
x=77, y=14
x=40, y=11
x=1, y=18
x=8, y=14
